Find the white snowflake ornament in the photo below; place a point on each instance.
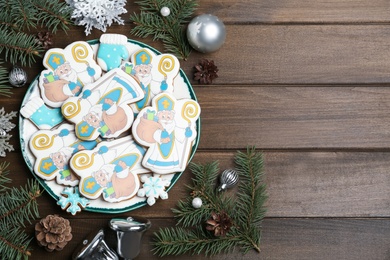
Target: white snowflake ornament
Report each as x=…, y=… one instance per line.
x=5, y=127
x=153, y=188
x=97, y=13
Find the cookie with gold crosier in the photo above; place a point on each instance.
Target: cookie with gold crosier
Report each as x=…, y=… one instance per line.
x=53, y=150
x=167, y=129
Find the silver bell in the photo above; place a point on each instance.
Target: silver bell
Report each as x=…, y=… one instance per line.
x=95, y=248
x=129, y=233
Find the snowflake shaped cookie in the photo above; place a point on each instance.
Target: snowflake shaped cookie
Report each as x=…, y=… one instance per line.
x=72, y=201
x=153, y=188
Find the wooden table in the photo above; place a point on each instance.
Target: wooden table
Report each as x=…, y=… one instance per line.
x=307, y=83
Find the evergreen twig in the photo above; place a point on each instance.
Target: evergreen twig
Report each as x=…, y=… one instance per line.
x=168, y=29
x=17, y=17
x=246, y=211
x=5, y=88
x=18, y=205
x=3, y=176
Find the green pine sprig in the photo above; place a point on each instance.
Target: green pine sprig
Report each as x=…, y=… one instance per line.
x=18, y=17
x=246, y=211
x=19, y=47
x=5, y=88
x=4, y=176
x=169, y=29
x=19, y=205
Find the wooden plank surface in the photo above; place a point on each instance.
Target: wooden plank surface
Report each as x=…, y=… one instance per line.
x=294, y=11
x=287, y=54
x=290, y=117
x=307, y=82
x=293, y=239
x=300, y=184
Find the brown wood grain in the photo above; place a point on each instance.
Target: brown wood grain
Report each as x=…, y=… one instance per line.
x=295, y=239
x=286, y=54
x=299, y=184
x=291, y=117
x=288, y=117
x=293, y=11
x=307, y=82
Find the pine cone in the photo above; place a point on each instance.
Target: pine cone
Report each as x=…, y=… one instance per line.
x=219, y=223
x=44, y=39
x=205, y=71
x=53, y=232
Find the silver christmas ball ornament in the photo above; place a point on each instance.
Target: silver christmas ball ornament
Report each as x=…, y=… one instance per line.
x=197, y=203
x=165, y=11
x=206, y=33
x=228, y=179
x=17, y=77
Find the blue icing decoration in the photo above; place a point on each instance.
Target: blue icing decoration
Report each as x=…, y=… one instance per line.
x=47, y=116
x=112, y=55
x=72, y=201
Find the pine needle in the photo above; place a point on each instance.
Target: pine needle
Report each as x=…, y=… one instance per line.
x=4, y=176
x=169, y=29
x=19, y=47
x=5, y=88
x=17, y=17
x=246, y=211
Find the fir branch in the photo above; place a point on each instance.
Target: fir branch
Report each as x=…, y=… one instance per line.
x=246, y=212
x=52, y=14
x=14, y=243
x=251, y=196
x=3, y=176
x=20, y=204
x=5, y=88
x=179, y=241
x=7, y=21
x=23, y=16
x=168, y=29
x=19, y=47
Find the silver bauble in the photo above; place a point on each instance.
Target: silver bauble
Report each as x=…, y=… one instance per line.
x=206, y=33
x=228, y=179
x=2, y=132
x=17, y=77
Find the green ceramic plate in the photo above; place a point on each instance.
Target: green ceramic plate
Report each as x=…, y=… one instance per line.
x=183, y=89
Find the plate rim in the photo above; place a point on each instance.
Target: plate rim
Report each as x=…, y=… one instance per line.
x=137, y=205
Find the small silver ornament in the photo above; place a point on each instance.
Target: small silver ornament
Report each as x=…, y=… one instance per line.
x=2, y=132
x=197, y=203
x=165, y=11
x=206, y=33
x=228, y=179
x=17, y=77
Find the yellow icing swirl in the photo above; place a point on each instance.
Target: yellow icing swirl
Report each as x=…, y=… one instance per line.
x=190, y=110
x=81, y=161
x=42, y=142
x=70, y=109
x=166, y=64
x=80, y=52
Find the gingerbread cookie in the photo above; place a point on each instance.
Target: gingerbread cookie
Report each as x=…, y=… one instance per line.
x=68, y=70
x=41, y=115
x=110, y=169
x=53, y=149
x=102, y=108
x=167, y=129
x=112, y=50
x=154, y=72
